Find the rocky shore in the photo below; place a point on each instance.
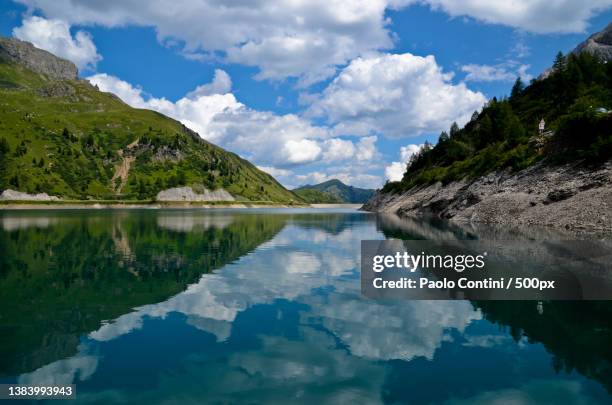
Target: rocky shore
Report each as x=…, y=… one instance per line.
x=571, y=197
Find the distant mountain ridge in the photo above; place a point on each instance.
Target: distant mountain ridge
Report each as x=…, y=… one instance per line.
x=61, y=136
x=333, y=191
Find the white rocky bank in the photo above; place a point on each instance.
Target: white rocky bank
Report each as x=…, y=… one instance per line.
x=12, y=195
x=187, y=194
x=570, y=196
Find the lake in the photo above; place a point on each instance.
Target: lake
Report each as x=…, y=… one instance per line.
x=264, y=306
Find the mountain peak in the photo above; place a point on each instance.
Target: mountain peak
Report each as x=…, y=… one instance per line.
x=337, y=190
x=332, y=182
x=37, y=60
x=598, y=44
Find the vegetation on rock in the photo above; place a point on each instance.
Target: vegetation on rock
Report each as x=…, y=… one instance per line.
x=574, y=100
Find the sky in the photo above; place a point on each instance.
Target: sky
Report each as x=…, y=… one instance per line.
x=310, y=90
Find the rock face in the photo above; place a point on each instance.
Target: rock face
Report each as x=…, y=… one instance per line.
x=598, y=44
x=187, y=194
x=570, y=197
x=35, y=59
x=12, y=195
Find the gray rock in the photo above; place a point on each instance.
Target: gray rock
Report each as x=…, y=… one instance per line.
x=598, y=44
x=187, y=194
x=572, y=197
x=12, y=195
x=43, y=62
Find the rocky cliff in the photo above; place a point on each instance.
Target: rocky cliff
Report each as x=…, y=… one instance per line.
x=570, y=196
x=598, y=44
x=37, y=60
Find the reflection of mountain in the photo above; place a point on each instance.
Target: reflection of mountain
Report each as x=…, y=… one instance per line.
x=83, y=268
x=409, y=228
x=331, y=224
x=577, y=334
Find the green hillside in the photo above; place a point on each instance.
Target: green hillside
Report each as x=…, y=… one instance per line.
x=313, y=196
x=574, y=99
x=333, y=191
x=66, y=138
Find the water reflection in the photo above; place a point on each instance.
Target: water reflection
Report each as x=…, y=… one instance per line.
x=265, y=306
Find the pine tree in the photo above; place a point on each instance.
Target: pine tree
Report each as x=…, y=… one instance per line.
x=517, y=88
x=560, y=62
x=454, y=129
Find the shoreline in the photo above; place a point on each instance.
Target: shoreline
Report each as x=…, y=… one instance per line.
x=71, y=205
x=569, y=196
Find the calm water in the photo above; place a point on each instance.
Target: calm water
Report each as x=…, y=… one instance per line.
x=264, y=306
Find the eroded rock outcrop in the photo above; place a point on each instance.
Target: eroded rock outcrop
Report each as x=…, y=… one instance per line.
x=570, y=196
x=12, y=195
x=35, y=59
x=598, y=44
x=187, y=194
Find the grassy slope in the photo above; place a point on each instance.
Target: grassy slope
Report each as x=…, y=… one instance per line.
x=68, y=145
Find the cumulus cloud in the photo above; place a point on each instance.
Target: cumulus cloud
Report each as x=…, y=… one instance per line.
x=54, y=36
x=394, y=95
x=307, y=40
x=395, y=171
x=283, y=38
x=267, y=138
x=275, y=171
x=539, y=16
x=221, y=84
x=490, y=73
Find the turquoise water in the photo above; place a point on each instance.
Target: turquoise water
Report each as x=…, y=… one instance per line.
x=264, y=306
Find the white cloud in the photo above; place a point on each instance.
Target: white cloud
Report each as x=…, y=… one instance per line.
x=221, y=84
x=366, y=149
x=508, y=71
x=394, y=95
x=307, y=40
x=301, y=151
x=54, y=36
x=284, y=38
x=539, y=16
x=395, y=171
x=274, y=171
x=266, y=138
x=338, y=149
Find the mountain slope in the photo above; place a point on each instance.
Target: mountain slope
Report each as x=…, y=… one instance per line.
x=598, y=44
x=62, y=136
x=313, y=196
x=337, y=190
x=500, y=168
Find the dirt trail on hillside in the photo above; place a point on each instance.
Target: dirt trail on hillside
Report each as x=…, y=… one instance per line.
x=122, y=171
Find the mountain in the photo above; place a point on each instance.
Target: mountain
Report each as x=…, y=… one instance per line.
x=333, y=191
x=502, y=168
x=62, y=136
x=598, y=44
x=313, y=196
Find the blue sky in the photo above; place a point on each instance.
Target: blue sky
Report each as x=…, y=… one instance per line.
x=309, y=90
